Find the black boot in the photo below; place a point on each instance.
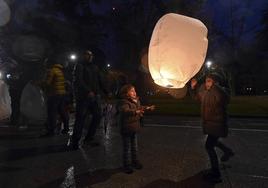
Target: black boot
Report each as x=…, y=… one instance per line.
x=213, y=176
x=128, y=169
x=137, y=165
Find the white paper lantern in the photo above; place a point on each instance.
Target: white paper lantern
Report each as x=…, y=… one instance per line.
x=5, y=103
x=33, y=104
x=177, y=50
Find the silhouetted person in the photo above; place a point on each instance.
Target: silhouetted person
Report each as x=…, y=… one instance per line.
x=214, y=99
x=88, y=88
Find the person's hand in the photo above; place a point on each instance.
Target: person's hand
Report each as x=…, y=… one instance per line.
x=193, y=83
x=91, y=94
x=140, y=112
x=152, y=107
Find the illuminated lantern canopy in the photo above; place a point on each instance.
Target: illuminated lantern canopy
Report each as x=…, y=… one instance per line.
x=177, y=50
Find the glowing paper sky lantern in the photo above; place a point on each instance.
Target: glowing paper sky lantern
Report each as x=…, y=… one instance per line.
x=177, y=50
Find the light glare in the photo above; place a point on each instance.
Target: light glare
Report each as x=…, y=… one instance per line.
x=73, y=57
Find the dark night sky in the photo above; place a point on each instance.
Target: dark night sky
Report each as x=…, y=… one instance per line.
x=219, y=9
x=250, y=10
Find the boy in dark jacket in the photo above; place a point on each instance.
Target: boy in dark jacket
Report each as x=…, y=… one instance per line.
x=130, y=111
x=214, y=100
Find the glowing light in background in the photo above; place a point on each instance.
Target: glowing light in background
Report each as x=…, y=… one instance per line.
x=4, y=13
x=208, y=64
x=8, y=76
x=73, y=57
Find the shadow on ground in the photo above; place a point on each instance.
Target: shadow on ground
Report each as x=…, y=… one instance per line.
x=5, y=169
x=18, y=154
x=195, y=181
x=82, y=180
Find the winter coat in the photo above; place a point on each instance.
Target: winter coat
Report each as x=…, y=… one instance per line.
x=55, y=80
x=213, y=109
x=129, y=120
x=87, y=79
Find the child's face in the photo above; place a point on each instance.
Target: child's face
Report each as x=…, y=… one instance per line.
x=209, y=83
x=132, y=93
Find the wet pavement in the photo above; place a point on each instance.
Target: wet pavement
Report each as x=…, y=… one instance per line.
x=170, y=148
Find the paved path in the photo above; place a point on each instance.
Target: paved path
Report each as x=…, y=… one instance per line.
x=172, y=152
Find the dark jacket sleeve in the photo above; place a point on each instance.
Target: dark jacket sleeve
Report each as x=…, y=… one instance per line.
x=124, y=108
x=80, y=78
x=224, y=93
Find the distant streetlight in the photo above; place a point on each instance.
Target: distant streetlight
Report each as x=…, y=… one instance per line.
x=8, y=76
x=108, y=65
x=208, y=64
x=73, y=57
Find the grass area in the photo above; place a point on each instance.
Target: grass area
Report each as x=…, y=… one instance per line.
x=250, y=106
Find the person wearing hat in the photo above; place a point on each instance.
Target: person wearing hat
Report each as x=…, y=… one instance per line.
x=214, y=99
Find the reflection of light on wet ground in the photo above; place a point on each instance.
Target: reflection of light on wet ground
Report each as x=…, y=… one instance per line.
x=85, y=156
x=108, y=123
x=69, y=180
x=108, y=119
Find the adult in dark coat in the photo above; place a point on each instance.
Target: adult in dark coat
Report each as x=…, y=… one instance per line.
x=214, y=100
x=88, y=89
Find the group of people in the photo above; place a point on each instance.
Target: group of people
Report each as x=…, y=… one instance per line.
x=214, y=98
x=88, y=90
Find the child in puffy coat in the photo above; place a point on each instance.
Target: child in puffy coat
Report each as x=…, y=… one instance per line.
x=130, y=112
